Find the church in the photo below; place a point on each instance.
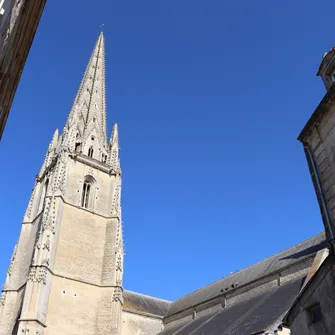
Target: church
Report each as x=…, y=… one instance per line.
x=63, y=279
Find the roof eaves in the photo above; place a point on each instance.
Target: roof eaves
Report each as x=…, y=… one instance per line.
x=246, y=268
x=318, y=111
x=147, y=296
x=327, y=57
x=247, y=284
x=138, y=312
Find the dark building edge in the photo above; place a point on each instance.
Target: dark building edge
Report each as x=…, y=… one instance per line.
x=21, y=43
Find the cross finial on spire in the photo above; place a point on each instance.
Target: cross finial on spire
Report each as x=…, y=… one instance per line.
x=102, y=27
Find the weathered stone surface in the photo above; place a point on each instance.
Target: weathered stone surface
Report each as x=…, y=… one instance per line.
x=65, y=276
x=135, y=323
x=319, y=290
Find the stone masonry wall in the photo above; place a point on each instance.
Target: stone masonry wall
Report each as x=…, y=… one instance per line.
x=322, y=291
x=140, y=324
x=73, y=308
x=321, y=141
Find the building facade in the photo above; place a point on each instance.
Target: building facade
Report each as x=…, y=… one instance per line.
x=312, y=313
x=68, y=262
x=65, y=275
x=18, y=23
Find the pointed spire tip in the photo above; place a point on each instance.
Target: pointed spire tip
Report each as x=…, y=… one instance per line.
x=115, y=134
x=89, y=109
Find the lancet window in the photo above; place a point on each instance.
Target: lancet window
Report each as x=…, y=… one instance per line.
x=90, y=152
x=86, y=194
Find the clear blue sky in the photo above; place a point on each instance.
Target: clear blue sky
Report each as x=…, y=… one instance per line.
x=210, y=97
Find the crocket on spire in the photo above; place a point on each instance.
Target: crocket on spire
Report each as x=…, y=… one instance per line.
x=88, y=113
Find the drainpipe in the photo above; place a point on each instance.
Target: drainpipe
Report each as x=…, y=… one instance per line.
x=319, y=192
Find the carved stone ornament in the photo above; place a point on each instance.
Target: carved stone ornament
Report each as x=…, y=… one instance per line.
x=39, y=241
x=3, y=298
x=38, y=275
x=116, y=201
x=46, y=262
x=62, y=183
x=10, y=268
x=49, y=215
x=47, y=242
x=25, y=330
x=119, y=235
x=119, y=264
x=118, y=295
x=90, y=172
x=60, y=175
x=30, y=204
x=58, y=169
x=114, y=160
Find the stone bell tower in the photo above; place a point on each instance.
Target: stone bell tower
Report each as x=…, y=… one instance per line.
x=65, y=275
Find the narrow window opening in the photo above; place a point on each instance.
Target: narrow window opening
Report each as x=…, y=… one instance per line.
x=86, y=195
x=83, y=195
x=92, y=138
x=78, y=147
x=314, y=313
x=104, y=158
x=90, y=152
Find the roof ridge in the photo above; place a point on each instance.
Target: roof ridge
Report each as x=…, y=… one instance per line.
x=148, y=296
x=249, y=266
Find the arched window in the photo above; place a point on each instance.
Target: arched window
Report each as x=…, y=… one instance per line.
x=87, y=197
x=90, y=152
x=86, y=194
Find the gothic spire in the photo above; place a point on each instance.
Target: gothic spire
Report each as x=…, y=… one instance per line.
x=88, y=112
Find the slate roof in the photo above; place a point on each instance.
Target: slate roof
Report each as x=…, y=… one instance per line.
x=144, y=303
x=252, y=273
x=247, y=317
